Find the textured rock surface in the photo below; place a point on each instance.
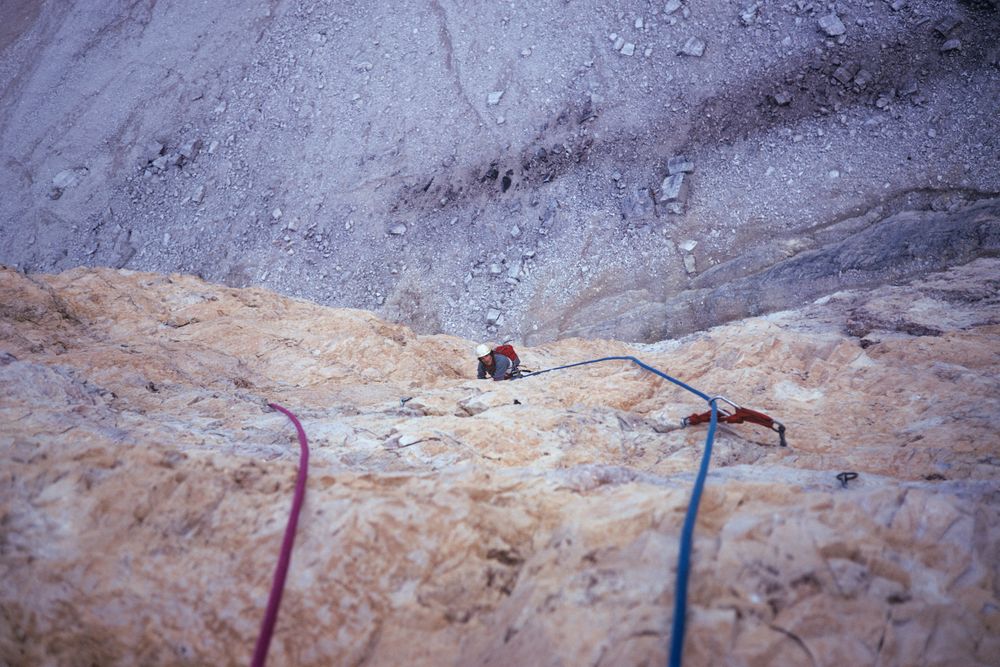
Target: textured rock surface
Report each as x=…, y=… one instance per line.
x=145, y=485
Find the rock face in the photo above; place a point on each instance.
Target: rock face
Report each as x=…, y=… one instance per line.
x=146, y=485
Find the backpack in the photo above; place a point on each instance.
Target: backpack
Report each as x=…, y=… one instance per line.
x=508, y=351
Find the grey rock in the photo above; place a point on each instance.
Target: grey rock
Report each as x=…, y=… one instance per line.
x=276, y=214
x=493, y=98
x=782, y=98
x=68, y=178
x=198, y=195
x=832, y=25
x=549, y=213
x=680, y=164
x=398, y=230
x=896, y=248
x=514, y=270
x=189, y=151
x=495, y=269
x=688, y=246
x=693, y=47
x=671, y=6
x=515, y=231
x=845, y=73
x=150, y=152
x=689, y=264
x=898, y=5
x=619, y=43
x=160, y=163
x=947, y=24
x=749, y=13
x=628, y=49
x=493, y=316
x=638, y=204
x=673, y=188
x=951, y=45
x=862, y=78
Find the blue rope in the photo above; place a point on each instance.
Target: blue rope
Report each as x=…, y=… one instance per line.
x=687, y=531
x=635, y=361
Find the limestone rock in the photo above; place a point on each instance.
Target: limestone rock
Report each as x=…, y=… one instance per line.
x=515, y=523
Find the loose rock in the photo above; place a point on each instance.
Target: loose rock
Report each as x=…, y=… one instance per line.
x=628, y=49
x=68, y=178
x=673, y=188
x=951, y=45
x=680, y=164
x=693, y=47
x=398, y=230
x=150, y=152
x=845, y=73
x=832, y=25
x=190, y=150
x=863, y=78
x=749, y=13
x=493, y=98
x=947, y=24
x=638, y=204
x=671, y=6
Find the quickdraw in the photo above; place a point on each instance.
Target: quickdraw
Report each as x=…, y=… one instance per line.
x=739, y=416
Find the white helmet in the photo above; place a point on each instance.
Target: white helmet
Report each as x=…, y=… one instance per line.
x=482, y=350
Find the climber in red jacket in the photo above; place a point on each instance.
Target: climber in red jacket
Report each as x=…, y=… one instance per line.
x=500, y=363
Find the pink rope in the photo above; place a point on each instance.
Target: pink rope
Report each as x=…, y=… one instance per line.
x=278, y=586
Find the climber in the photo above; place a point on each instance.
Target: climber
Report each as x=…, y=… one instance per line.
x=500, y=363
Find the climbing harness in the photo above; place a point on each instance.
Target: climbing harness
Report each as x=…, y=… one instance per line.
x=845, y=477
x=687, y=530
x=281, y=571
x=738, y=417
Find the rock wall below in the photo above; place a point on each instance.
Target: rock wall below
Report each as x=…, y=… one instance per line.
x=450, y=521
